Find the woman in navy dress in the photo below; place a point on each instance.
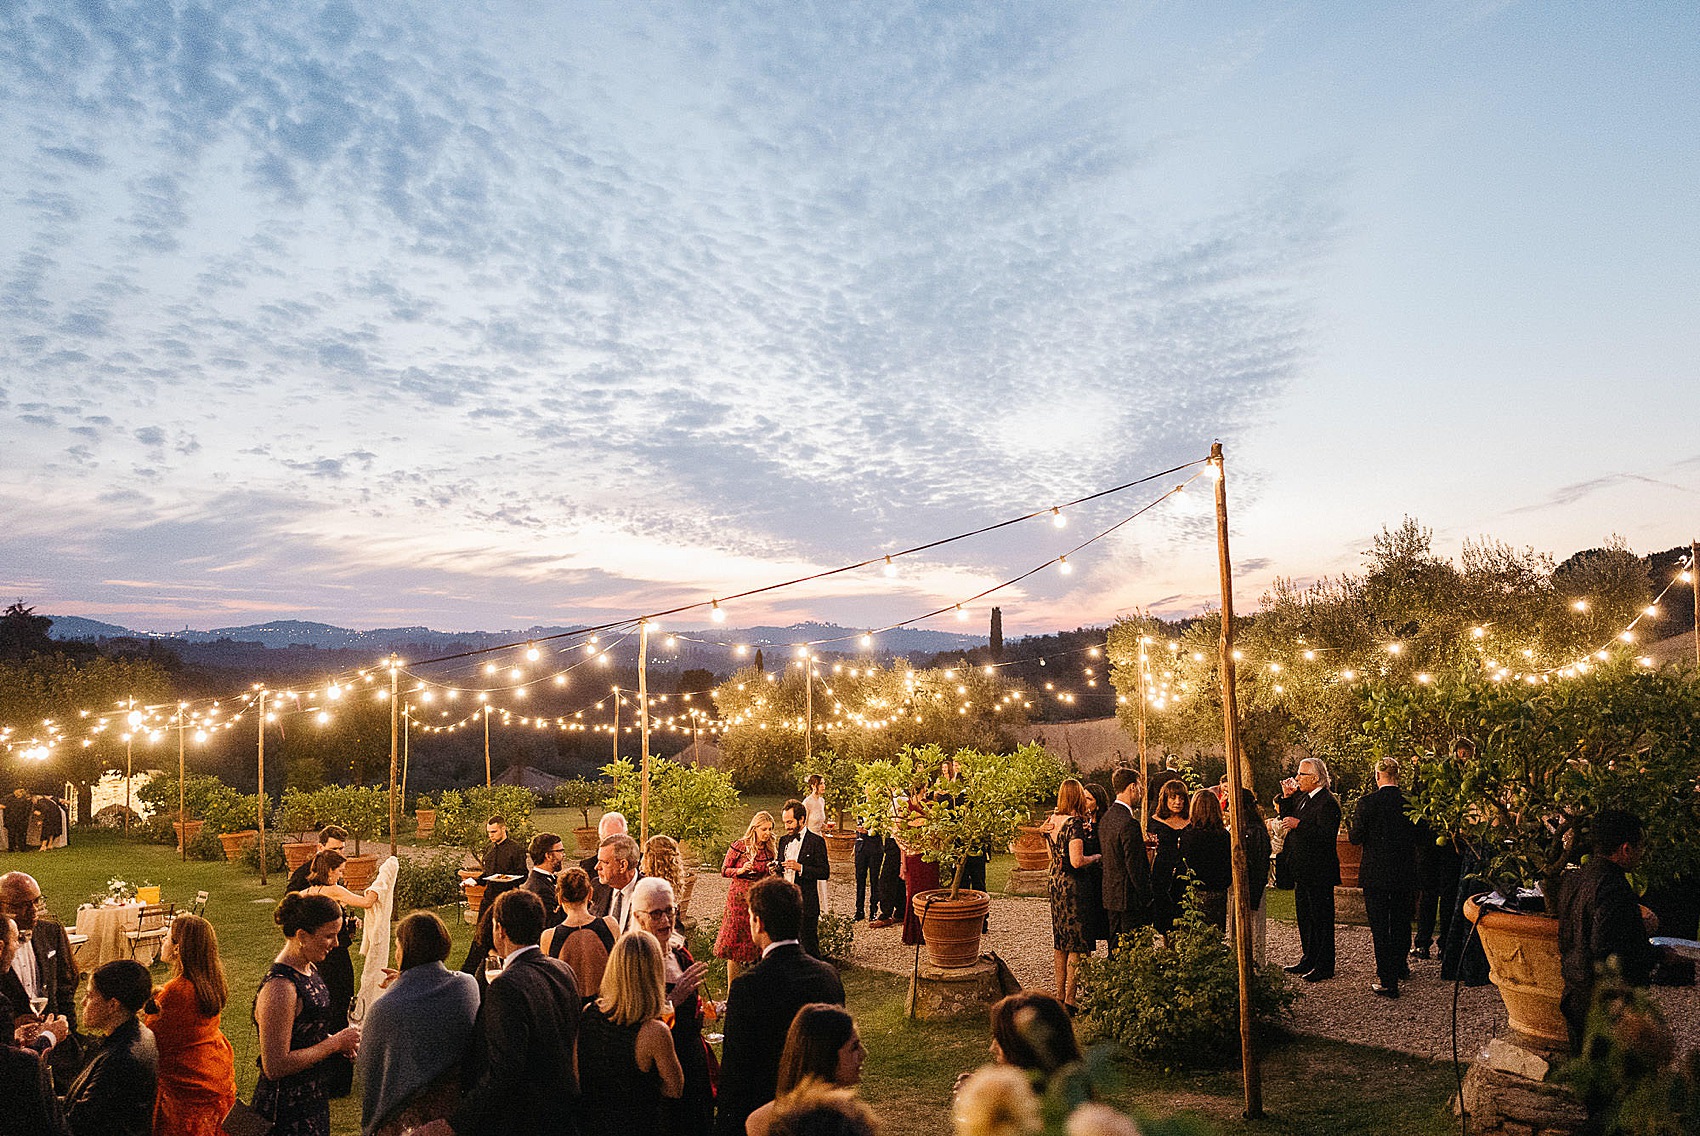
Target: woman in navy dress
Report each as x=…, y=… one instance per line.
x=292, y=1012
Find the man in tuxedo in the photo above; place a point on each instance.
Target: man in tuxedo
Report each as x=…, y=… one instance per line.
x=18, y=807
x=611, y=824
x=1127, y=871
x=331, y=839
x=526, y=1082
x=43, y=963
x=1388, y=874
x=1599, y=918
x=547, y=854
x=802, y=860
x=764, y=999
x=504, y=857
x=617, y=869
x=1311, y=815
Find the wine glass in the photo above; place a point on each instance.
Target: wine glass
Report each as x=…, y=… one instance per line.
x=38, y=1003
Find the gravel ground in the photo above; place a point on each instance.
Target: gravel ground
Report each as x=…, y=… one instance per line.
x=1419, y=1022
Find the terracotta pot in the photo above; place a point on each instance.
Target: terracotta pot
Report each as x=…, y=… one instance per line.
x=299, y=852
x=427, y=821
x=1351, y=857
x=585, y=835
x=359, y=872
x=840, y=848
x=474, y=893
x=235, y=843
x=1032, y=850
x=187, y=831
x=951, y=927
x=1523, y=961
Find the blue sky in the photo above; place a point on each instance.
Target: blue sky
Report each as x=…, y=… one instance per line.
x=478, y=316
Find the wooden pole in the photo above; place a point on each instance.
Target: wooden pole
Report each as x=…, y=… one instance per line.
x=182, y=813
x=406, y=737
x=129, y=770
x=487, y=781
x=616, y=724
x=261, y=731
x=395, y=740
x=1694, y=582
x=1233, y=757
x=643, y=722
x=1144, y=762
x=809, y=687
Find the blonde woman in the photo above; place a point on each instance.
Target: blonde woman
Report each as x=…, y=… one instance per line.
x=1071, y=937
x=626, y=1060
x=661, y=858
x=750, y=858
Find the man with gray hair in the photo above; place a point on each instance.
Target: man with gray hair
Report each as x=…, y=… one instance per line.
x=1388, y=875
x=617, y=870
x=1311, y=815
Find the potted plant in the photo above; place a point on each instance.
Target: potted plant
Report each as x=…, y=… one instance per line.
x=1036, y=775
x=299, y=817
x=365, y=812
x=992, y=797
x=233, y=817
x=687, y=802
x=425, y=816
x=839, y=774
x=1549, y=757
x=582, y=795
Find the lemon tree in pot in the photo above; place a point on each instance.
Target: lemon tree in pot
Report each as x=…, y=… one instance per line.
x=991, y=798
x=1550, y=755
x=842, y=793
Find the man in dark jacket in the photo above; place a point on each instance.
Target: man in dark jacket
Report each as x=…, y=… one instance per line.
x=802, y=859
x=1311, y=815
x=504, y=870
x=547, y=854
x=1387, y=875
x=1127, y=871
x=764, y=999
x=332, y=837
x=45, y=966
x=18, y=809
x=1599, y=918
x=524, y=1056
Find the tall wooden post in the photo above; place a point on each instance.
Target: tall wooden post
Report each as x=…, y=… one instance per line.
x=261, y=731
x=134, y=721
x=809, y=686
x=406, y=737
x=1144, y=761
x=643, y=723
x=1694, y=582
x=487, y=781
x=395, y=740
x=182, y=813
x=1233, y=758
x=616, y=726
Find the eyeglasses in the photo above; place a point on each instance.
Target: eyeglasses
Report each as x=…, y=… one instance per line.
x=669, y=912
x=1307, y=773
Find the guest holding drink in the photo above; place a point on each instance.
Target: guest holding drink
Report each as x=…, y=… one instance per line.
x=197, y=1066
x=292, y=1012
x=324, y=877
x=626, y=1060
x=1071, y=934
x=750, y=858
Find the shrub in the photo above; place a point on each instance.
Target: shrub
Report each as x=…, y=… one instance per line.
x=427, y=882
x=274, y=858
x=842, y=790
x=461, y=814
x=363, y=810
x=1179, y=1004
x=579, y=794
x=700, y=942
x=687, y=802
x=234, y=812
x=205, y=845
x=837, y=936
x=158, y=798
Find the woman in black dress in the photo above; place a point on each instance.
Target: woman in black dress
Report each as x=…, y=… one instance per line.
x=626, y=1060
x=1207, y=852
x=1168, y=821
x=1070, y=935
x=655, y=909
x=1092, y=875
x=291, y=1012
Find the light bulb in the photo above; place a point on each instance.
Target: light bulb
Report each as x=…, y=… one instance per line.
x=1580, y=605
x=890, y=568
x=867, y=640
x=1057, y=518
x=715, y=613
x=961, y=612
x=1064, y=566
x=532, y=653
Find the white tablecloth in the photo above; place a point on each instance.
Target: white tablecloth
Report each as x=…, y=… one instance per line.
x=105, y=926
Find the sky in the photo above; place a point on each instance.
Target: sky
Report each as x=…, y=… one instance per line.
x=487, y=315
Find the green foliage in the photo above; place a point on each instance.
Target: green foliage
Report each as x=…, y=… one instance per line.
x=204, y=796
x=881, y=783
x=364, y=810
x=275, y=861
x=1179, y=1004
x=234, y=812
x=842, y=792
x=1551, y=755
x=55, y=687
x=462, y=813
x=837, y=936
x=579, y=794
x=1627, y=1074
x=205, y=845
x=298, y=813
x=686, y=802
x=428, y=881
x=996, y=790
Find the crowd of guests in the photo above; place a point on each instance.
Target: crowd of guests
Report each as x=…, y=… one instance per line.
x=34, y=821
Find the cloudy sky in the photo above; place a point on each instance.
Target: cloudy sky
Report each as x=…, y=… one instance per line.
x=480, y=315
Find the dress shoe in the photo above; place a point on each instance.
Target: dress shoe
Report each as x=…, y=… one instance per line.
x=1298, y=968
x=1318, y=976
x=879, y=923
x=1384, y=991
x=1419, y=953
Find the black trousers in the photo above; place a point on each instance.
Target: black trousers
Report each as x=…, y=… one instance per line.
x=1435, y=908
x=1313, y=908
x=891, y=881
x=1127, y=922
x=974, y=873
x=1389, y=914
x=870, y=851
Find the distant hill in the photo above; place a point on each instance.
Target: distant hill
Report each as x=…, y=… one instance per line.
x=76, y=627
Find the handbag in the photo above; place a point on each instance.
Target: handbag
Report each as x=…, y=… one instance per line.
x=242, y=1120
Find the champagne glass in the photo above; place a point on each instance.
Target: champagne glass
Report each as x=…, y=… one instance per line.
x=38, y=1003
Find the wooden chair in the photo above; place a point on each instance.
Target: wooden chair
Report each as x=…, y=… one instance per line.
x=152, y=927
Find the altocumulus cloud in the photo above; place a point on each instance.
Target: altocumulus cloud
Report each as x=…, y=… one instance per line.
x=789, y=280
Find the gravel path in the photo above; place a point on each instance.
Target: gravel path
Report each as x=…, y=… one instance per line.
x=1418, y=1023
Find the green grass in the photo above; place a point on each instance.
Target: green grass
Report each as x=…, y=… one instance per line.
x=1310, y=1085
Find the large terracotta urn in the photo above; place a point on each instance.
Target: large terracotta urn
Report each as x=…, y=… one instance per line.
x=359, y=872
x=1523, y=961
x=586, y=839
x=1032, y=850
x=236, y=842
x=840, y=847
x=298, y=852
x=951, y=927
x=1351, y=858
x=427, y=822
x=187, y=831
x=474, y=893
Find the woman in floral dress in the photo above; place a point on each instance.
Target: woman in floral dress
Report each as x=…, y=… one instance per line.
x=291, y=1012
x=1070, y=936
x=748, y=860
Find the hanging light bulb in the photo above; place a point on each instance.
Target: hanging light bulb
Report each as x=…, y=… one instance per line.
x=890, y=568
x=531, y=652
x=961, y=612
x=1064, y=566
x=715, y=613
x=1057, y=518
x=867, y=641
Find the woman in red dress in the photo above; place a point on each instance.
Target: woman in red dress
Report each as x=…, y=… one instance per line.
x=918, y=875
x=197, y=1067
x=747, y=861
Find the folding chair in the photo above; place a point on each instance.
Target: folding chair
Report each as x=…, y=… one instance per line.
x=152, y=927
x=199, y=907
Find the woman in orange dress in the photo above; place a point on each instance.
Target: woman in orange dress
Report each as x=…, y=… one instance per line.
x=197, y=1067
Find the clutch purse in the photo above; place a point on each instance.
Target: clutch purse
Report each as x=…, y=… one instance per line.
x=244, y=1121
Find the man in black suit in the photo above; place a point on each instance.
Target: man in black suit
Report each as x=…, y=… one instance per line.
x=764, y=999
x=611, y=824
x=1388, y=874
x=547, y=855
x=331, y=839
x=504, y=857
x=802, y=859
x=1311, y=815
x=1599, y=918
x=43, y=964
x=527, y=1037
x=1127, y=871
x=18, y=807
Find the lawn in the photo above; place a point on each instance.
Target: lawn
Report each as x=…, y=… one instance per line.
x=1310, y=1086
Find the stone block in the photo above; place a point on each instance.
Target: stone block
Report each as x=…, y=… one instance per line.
x=1502, y=1103
x=937, y=992
x=1509, y=1057
x=1025, y=882
x=1349, y=906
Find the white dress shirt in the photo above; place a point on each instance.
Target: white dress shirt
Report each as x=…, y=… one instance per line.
x=791, y=848
x=23, y=965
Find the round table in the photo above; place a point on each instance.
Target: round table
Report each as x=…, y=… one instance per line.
x=105, y=926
